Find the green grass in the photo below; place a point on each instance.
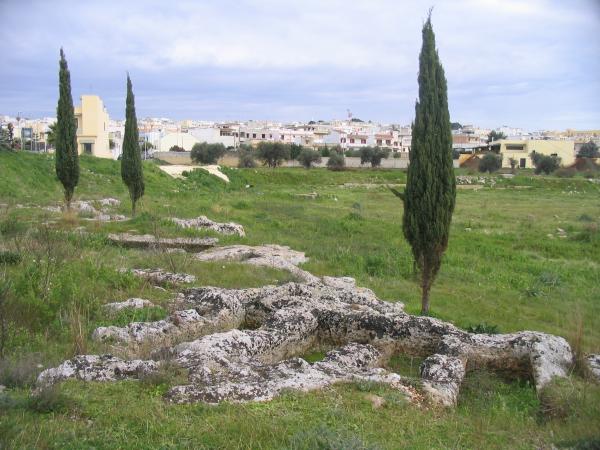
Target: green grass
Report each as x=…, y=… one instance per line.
x=502, y=269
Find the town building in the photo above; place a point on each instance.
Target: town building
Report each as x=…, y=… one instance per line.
x=92, y=127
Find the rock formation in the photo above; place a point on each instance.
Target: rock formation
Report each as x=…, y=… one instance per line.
x=276, y=256
x=149, y=241
x=204, y=223
x=244, y=345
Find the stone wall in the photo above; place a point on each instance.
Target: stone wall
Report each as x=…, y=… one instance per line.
x=231, y=160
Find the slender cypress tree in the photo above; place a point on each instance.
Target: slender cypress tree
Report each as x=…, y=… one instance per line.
x=430, y=192
x=131, y=159
x=67, y=157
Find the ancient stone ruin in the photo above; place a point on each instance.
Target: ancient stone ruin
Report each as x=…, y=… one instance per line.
x=242, y=345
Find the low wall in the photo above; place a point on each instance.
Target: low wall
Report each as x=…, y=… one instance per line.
x=231, y=160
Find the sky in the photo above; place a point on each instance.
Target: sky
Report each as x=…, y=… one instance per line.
x=524, y=63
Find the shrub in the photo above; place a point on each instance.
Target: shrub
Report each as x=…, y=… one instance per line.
x=308, y=157
x=545, y=163
x=324, y=151
x=490, y=162
x=10, y=258
x=566, y=172
x=246, y=159
x=589, y=150
x=295, y=151
x=336, y=162
x=205, y=153
x=50, y=399
x=177, y=148
x=20, y=372
x=352, y=153
x=273, y=153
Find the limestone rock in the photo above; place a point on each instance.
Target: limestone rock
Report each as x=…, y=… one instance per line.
x=593, y=363
x=161, y=277
x=96, y=368
x=132, y=303
x=242, y=344
x=150, y=241
x=276, y=256
x=204, y=222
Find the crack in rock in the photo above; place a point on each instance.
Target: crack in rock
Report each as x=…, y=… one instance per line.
x=243, y=345
x=205, y=223
x=149, y=241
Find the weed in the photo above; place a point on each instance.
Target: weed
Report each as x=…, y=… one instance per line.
x=50, y=399
x=20, y=371
x=9, y=257
x=483, y=328
x=325, y=438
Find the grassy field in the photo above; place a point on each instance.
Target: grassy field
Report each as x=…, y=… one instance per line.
x=524, y=253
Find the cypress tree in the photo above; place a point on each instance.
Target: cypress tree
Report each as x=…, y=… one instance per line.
x=67, y=157
x=430, y=192
x=131, y=159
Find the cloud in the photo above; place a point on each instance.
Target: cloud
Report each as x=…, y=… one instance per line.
x=291, y=60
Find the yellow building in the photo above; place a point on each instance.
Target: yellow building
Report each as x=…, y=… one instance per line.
x=521, y=151
x=92, y=127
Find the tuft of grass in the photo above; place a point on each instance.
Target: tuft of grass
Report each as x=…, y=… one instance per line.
x=9, y=257
x=326, y=438
x=483, y=328
x=50, y=399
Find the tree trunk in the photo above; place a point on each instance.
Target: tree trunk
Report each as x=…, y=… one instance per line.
x=133, y=202
x=425, y=288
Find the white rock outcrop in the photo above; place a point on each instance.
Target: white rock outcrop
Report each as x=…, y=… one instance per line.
x=204, y=223
x=243, y=345
x=160, y=277
x=276, y=256
x=131, y=303
x=152, y=242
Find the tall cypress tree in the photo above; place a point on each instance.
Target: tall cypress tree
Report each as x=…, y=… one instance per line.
x=67, y=157
x=430, y=192
x=131, y=159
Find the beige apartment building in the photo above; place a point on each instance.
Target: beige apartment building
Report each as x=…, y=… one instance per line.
x=521, y=150
x=92, y=127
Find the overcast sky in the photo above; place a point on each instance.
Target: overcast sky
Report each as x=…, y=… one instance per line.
x=530, y=63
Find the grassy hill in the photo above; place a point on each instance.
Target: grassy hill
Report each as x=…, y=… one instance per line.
x=524, y=254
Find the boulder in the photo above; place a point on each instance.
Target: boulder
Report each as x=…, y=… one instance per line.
x=132, y=303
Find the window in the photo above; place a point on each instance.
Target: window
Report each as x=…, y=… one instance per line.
x=263, y=136
x=522, y=163
x=254, y=135
x=388, y=142
x=379, y=141
x=363, y=141
x=342, y=140
x=514, y=147
x=87, y=148
x=352, y=140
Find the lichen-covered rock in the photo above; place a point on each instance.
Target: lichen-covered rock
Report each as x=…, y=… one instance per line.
x=96, y=368
x=593, y=363
x=442, y=376
x=132, y=303
x=276, y=256
x=242, y=344
x=205, y=223
x=153, y=242
x=161, y=277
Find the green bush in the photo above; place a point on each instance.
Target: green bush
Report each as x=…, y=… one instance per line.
x=246, y=157
x=336, y=162
x=544, y=163
x=273, y=153
x=490, y=162
x=205, y=153
x=9, y=258
x=308, y=157
x=483, y=328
